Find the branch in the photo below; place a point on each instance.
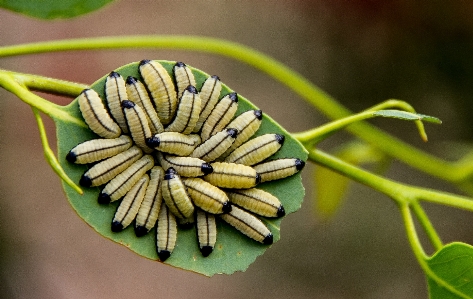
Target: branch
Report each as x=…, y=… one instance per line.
x=9, y=82
x=301, y=86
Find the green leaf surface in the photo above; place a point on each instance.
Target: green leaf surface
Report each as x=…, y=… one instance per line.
x=407, y=115
x=453, y=264
x=233, y=251
x=430, y=119
x=53, y=9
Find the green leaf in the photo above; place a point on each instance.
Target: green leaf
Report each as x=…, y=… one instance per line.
x=430, y=119
x=453, y=264
x=53, y=9
x=407, y=115
x=233, y=251
x=331, y=186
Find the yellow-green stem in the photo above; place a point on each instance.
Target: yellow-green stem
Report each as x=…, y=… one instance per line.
x=427, y=225
x=54, y=111
x=419, y=252
x=313, y=136
x=49, y=154
x=399, y=192
x=48, y=85
x=393, y=103
x=301, y=86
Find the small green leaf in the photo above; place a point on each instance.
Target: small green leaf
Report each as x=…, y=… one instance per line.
x=437, y=292
x=53, y=9
x=406, y=115
x=453, y=264
x=233, y=251
x=331, y=186
x=430, y=119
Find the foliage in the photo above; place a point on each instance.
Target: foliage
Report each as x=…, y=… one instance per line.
x=454, y=264
x=448, y=270
x=234, y=251
x=53, y=9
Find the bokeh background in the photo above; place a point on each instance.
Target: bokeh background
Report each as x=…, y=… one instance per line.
x=361, y=52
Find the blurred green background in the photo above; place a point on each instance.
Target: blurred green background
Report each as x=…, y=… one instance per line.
x=361, y=52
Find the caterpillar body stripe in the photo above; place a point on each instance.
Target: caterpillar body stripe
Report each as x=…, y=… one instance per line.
x=187, y=113
x=173, y=143
x=257, y=201
x=115, y=93
x=166, y=233
x=185, y=166
x=206, y=196
x=175, y=195
x=161, y=87
x=248, y=225
x=206, y=232
x=220, y=116
x=130, y=205
x=256, y=150
x=183, y=77
x=106, y=170
x=279, y=168
x=209, y=95
x=138, y=124
x=98, y=149
x=149, y=209
x=231, y=175
x=96, y=116
x=247, y=124
x=138, y=94
x=196, y=139
x=216, y=145
x=123, y=182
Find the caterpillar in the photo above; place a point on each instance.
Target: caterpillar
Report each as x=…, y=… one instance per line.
x=174, y=154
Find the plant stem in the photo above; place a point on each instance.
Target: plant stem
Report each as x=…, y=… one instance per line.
x=383, y=185
x=301, y=86
x=393, y=103
x=401, y=193
x=316, y=135
x=446, y=199
x=427, y=225
x=419, y=252
x=49, y=154
x=52, y=110
x=412, y=234
x=45, y=84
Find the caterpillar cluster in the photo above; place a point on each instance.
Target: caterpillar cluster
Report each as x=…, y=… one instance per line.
x=175, y=155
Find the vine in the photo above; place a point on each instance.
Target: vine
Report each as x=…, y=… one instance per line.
x=407, y=197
